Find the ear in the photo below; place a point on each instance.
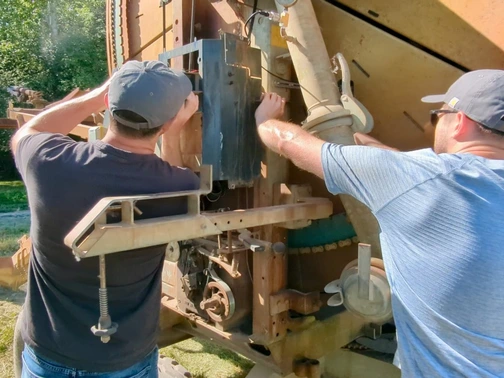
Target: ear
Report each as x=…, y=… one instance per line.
x=464, y=126
x=105, y=99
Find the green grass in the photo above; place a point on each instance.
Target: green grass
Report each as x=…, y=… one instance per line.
x=10, y=234
x=10, y=305
x=207, y=360
x=12, y=196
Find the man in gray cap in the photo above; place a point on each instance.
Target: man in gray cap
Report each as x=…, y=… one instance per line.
x=440, y=214
x=64, y=180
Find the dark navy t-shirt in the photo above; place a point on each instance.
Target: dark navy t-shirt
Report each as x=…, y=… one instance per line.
x=64, y=180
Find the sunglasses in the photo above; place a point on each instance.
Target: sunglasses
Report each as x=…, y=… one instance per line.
x=435, y=115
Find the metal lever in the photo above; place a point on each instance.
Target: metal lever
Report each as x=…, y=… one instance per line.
x=254, y=245
x=363, y=120
x=364, y=272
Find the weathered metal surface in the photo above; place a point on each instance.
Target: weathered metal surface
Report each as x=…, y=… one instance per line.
x=128, y=235
x=302, y=303
x=326, y=116
x=229, y=79
x=270, y=276
x=398, y=75
x=380, y=64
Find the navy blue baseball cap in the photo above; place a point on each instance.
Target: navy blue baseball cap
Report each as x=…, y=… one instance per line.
x=149, y=89
x=479, y=95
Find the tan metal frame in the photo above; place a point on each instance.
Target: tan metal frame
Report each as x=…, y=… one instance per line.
x=92, y=236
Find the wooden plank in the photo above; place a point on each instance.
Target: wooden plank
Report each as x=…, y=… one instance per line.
x=274, y=168
x=270, y=277
x=191, y=143
x=181, y=22
x=390, y=76
x=452, y=28
x=7, y=123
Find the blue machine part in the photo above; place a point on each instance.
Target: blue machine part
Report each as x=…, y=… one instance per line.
x=321, y=232
x=229, y=78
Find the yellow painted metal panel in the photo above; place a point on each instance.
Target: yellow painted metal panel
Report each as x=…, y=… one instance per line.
x=468, y=32
x=390, y=75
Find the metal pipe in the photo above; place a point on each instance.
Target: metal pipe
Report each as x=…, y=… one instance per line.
x=313, y=68
x=327, y=118
x=364, y=271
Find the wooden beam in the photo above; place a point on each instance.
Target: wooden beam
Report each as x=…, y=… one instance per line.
x=7, y=123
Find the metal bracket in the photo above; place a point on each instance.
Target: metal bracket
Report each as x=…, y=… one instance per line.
x=93, y=236
x=373, y=331
x=255, y=245
x=302, y=303
x=363, y=120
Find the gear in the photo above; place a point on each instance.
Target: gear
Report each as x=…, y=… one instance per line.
x=218, y=301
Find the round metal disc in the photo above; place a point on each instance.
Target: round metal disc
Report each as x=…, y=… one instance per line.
x=225, y=310
x=172, y=252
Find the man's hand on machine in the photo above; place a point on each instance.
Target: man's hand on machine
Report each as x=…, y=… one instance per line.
x=272, y=107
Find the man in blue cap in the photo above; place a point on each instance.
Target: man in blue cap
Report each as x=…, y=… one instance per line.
x=440, y=214
x=64, y=180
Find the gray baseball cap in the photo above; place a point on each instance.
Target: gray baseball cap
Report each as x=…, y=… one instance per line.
x=149, y=89
x=479, y=95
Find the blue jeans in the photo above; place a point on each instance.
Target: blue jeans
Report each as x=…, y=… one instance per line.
x=37, y=367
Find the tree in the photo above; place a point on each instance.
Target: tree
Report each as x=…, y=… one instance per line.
x=74, y=45
x=52, y=46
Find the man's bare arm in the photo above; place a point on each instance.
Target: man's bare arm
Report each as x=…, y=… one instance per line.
x=291, y=141
x=288, y=139
x=170, y=150
x=365, y=140
x=62, y=118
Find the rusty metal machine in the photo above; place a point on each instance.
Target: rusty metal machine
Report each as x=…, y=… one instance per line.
x=266, y=261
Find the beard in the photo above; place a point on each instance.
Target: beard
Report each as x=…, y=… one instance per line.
x=440, y=142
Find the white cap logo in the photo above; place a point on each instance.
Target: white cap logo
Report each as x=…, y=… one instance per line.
x=453, y=102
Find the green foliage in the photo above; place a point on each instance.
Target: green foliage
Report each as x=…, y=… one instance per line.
x=12, y=196
x=52, y=46
x=74, y=49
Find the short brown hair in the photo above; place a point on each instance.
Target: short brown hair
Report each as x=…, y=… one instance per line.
x=130, y=132
x=489, y=131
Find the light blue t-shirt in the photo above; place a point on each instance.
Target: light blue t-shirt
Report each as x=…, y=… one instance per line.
x=442, y=236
